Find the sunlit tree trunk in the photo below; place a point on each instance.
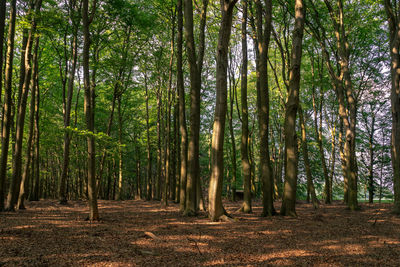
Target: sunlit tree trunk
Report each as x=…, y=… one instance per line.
x=195, y=66
x=182, y=112
x=246, y=168
x=263, y=38
x=6, y=116
x=215, y=207
x=291, y=153
x=13, y=193
x=89, y=110
x=29, y=152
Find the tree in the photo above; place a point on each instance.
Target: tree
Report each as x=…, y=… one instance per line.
x=215, y=208
x=195, y=65
x=89, y=109
x=67, y=101
x=263, y=39
x=182, y=108
x=13, y=193
x=6, y=125
x=292, y=104
x=246, y=207
x=394, y=32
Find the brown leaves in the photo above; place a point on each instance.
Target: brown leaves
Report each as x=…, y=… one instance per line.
x=137, y=233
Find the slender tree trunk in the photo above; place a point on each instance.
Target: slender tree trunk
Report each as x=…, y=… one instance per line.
x=36, y=158
x=120, y=160
x=2, y=27
x=246, y=168
x=29, y=152
x=168, y=116
x=318, y=132
x=148, y=174
x=215, y=207
x=13, y=193
x=7, y=118
x=263, y=37
x=160, y=128
x=67, y=117
x=333, y=157
x=371, y=184
x=195, y=66
x=310, y=183
x=393, y=19
x=291, y=147
x=232, y=89
x=174, y=180
x=182, y=112
x=89, y=110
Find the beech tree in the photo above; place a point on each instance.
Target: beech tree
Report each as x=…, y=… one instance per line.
x=215, y=208
x=394, y=30
x=291, y=150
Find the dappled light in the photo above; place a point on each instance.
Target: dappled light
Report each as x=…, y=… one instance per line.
x=137, y=233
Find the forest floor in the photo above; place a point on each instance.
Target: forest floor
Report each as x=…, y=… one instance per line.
x=140, y=233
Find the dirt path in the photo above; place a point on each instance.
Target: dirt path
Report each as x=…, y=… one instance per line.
x=139, y=233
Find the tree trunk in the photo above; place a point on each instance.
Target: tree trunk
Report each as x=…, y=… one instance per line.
x=232, y=91
x=195, y=66
x=7, y=118
x=263, y=37
x=393, y=19
x=291, y=147
x=215, y=207
x=120, y=161
x=182, y=112
x=29, y=152
x=246, y=168
x=168, y=116
x=310, y=183
x=17, y=158
x=318, y=132
x=89, y=110
x=148, y=173
x=2, y=26
x=67, y=116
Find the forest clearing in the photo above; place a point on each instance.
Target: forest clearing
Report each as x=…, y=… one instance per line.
x=131, y=130
x=144, y=233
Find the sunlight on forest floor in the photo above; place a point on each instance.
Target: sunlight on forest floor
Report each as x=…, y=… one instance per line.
x=138, y=233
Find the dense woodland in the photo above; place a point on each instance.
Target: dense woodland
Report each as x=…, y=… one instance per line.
x=196, y=101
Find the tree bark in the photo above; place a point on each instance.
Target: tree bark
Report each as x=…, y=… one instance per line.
x=148, y=173
x=7, y=117
x=67, y=113
x=394, y=29
x=310, y=182
x=13, y=193
x=120, y=155
x=263, y=38
x=291, y=147
x=246, y=168
x=29, y=152
x=182, y=110
x=232, y=92
x=89, y=110
x=215, y=207
x=2, y=27
x=195, y=66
